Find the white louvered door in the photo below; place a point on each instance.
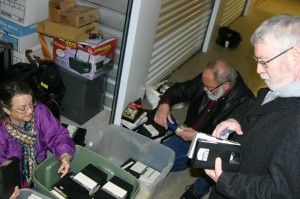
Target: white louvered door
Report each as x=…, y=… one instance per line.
x=233, y=10
x=180, y=34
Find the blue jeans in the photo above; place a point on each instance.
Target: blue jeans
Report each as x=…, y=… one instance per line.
x=182, y=162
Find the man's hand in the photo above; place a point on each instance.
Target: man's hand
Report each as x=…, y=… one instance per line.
x=187, y=134
x=230, y=124
x=215, y=174
x=65, y=159
x=161, y=115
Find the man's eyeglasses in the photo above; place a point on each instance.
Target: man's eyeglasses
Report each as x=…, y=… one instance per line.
x=24, y=109
x=210, y=88
x=265, y=63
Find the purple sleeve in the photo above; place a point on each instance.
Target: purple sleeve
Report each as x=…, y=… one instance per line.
x=8, y=147
x=51, y=134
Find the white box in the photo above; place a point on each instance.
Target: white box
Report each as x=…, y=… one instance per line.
x=36, y=51
x=24, y=12
x=20, y=44
x=16, y=29
x=22, y=37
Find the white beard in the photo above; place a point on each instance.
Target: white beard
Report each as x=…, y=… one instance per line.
x=215, y=97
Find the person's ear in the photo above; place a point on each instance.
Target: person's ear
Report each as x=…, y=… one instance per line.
x=227, y=85
x=296, y=55
x=7, y=111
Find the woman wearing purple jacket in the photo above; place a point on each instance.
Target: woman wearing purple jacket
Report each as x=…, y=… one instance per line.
x=28, y=129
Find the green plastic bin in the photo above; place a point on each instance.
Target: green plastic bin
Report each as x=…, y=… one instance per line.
x=45, y=175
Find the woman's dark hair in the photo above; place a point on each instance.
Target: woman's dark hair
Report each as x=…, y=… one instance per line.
x=9, y=89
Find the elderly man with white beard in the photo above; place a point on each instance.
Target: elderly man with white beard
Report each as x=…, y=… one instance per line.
x=212, y=96
x=268, y=126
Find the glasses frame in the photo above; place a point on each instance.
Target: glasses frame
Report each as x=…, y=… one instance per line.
x=23, y=112
x=265, y=63
x=211, y=89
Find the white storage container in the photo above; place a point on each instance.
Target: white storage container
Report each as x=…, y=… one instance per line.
x=119, y=144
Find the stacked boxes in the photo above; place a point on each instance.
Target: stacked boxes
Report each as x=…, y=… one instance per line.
x=77, y=22
x=82, y=64
x=18, y=21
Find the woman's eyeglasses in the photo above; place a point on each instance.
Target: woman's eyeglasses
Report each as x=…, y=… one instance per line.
x=22, y=110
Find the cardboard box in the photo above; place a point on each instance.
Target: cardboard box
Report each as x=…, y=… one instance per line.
x=22, y=37
x=67, y=12
x=85, y=60
x=24, y=12
x=79, y=16
x=67, y=32
x=16, y=29
x=36, y=51
x=58, y=6
x=20, y=44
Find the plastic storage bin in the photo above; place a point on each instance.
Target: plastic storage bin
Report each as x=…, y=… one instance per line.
x=26, y=193
x=119, y=144
x=45, y=175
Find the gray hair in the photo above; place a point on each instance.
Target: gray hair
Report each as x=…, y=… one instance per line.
x=223, y=71
x=284, y=29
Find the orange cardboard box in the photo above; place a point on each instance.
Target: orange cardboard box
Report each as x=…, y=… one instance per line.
x=79, y=16
x=55, y=7
x=67, y=32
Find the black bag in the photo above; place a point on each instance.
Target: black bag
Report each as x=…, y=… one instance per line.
x=45, y=81
x=228, y=38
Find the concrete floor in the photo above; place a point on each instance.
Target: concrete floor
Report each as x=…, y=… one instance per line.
x=240, y=57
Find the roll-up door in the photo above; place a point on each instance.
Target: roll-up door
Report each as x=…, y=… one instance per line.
x=233, y=10
x=180, y=34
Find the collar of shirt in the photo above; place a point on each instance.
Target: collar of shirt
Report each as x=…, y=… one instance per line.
x=291, y=90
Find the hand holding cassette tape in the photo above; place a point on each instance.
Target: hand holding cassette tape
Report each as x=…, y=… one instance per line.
x=205, y=149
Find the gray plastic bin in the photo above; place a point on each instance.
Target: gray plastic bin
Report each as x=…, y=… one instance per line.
x=26, y=193
x=119, y=144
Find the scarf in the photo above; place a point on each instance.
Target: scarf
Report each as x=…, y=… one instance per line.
x=25, y=134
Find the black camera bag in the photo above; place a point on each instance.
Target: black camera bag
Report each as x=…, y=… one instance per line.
x=228, y=38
